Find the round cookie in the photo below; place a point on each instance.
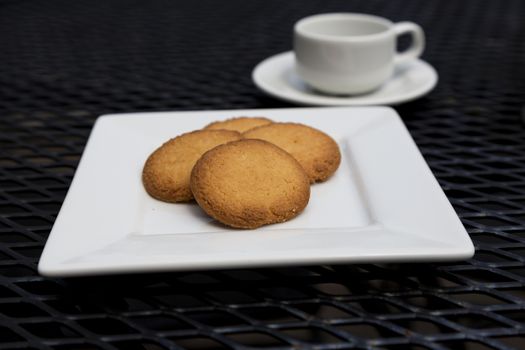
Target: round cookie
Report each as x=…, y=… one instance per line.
x=317, y=152
x=240, y=124
x=166, y=173
x=250, y=183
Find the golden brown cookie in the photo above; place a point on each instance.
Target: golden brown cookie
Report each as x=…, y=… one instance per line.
x=166, y=174
x=250, y=183
x=240, y=124
x=317, y=152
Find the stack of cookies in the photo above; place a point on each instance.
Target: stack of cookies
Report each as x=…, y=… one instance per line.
x=244, y=172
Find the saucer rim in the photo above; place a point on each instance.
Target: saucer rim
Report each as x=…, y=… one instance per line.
x=360, y=100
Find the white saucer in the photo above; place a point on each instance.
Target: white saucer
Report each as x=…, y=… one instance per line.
x=277, y=77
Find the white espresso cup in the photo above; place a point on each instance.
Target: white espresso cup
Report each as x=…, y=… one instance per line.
x=350, y=53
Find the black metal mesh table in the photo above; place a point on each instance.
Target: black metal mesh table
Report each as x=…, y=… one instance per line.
x=63, y=63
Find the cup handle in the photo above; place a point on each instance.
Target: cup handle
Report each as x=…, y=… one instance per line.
x=418, y=41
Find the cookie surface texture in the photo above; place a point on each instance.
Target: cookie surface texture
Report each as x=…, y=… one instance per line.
x=250, y=183
x=240, y=124
x=317, y=152
x=166, y=173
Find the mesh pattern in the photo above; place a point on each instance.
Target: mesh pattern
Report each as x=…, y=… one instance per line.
x=62, y=63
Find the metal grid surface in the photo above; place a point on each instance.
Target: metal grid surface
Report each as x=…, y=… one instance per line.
x=63, y=63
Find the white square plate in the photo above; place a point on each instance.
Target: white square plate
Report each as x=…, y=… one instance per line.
x=382, y=205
